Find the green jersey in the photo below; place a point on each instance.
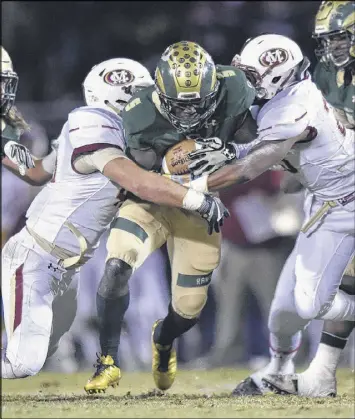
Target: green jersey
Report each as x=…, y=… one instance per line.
x=149, y=134
x=340, y=93
x=8, y=133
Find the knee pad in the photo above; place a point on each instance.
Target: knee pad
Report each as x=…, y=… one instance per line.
x=348, y=284
x=308, y=305
x=114, y=282
x=283, y=315
x=189, y=304
x=285, y=322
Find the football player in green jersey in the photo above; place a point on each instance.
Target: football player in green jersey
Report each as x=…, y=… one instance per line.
x=335, y=72
x=191, y=97
x=12, y=123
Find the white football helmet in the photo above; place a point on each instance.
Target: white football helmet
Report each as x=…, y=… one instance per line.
x=275, y=58
x=9, y=82
x=112, y=83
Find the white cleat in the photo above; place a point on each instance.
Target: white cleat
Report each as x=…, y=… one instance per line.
x=305, y=384
x=254, y=385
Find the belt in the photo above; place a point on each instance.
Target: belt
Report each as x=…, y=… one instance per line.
x=325, y=208
x=64, y=262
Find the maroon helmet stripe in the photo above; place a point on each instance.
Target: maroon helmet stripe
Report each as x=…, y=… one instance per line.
x=18, y=296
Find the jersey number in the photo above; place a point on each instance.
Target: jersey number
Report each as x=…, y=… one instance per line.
x=134, y=103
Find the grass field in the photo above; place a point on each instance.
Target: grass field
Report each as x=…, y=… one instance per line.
x=195, y=394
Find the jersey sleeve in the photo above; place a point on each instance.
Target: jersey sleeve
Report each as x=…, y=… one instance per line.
x=240, y=92
x=320, y=78
x=92, y=129
x=48, y=162
x=282, y=122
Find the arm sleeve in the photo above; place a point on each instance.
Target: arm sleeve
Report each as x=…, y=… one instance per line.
x=282, y=122
x=93, y=129
x=96, y=161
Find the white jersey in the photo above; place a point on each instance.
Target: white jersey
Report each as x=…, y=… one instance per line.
x=88, y=201
x=325, y=165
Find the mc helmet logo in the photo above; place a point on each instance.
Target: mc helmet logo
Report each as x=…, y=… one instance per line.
x=274, y=57
x=118, y=77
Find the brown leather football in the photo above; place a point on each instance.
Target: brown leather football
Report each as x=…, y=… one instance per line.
x=176, y=160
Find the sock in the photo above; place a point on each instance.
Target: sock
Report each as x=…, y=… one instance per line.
x=110, y=313
x=172, y=327
x=326, y=359
x=282, y=350
x=336, y=334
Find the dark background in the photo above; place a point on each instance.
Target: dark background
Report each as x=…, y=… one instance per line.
x=54, y=44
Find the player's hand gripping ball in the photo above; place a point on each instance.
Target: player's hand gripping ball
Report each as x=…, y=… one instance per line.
x=176, y=160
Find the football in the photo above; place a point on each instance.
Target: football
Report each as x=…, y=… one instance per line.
x=176, y=159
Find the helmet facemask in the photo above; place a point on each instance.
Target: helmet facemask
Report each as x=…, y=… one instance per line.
x=9, y=82
x=189, y=112
x=337, y=47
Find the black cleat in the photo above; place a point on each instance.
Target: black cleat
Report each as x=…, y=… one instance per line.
x=247, y=387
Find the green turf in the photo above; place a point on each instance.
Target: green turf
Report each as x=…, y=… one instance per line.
x=195, y=394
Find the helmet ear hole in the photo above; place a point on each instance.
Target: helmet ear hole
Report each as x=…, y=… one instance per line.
x=276, y=79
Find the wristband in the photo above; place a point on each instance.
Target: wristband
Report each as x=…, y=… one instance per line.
x=193, y=200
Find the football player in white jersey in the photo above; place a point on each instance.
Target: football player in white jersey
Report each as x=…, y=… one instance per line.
x=12, y=122
x=67, y=218
x=297, y=129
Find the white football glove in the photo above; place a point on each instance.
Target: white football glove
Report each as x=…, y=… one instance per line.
x=20, y=155
x=213, y=155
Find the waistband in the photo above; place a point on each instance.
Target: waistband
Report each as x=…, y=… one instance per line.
x=67, y=259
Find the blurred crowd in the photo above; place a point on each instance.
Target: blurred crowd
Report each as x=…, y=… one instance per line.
x=53, y=45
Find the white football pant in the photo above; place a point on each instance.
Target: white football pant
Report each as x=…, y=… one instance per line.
x=38, y=305
x=308, y=287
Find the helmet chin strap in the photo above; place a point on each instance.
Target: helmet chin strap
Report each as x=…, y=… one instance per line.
x=302, y=72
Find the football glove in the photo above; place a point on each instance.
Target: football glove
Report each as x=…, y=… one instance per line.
x=20, y=155
x=214, y=212
x=213, y=155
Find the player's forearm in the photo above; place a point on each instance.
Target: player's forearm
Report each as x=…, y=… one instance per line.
x=261, y=158
x=146, y=185
x=35, y=177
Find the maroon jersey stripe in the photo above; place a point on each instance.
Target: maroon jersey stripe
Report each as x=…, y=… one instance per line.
x=18, y=296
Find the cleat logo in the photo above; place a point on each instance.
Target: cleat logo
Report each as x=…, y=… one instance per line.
x=118, y=77
x=273, y=57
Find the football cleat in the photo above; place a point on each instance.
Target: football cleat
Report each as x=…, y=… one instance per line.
x=164, y=363
x=306, y=385
x=107, y=374
x=247, y=387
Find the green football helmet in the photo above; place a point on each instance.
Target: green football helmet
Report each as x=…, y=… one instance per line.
x=187, y=86
x=9, y=81
x=335, y=32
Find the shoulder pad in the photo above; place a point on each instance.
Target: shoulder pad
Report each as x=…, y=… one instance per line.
x=140, y=112
x=90, y=116
x=282, y=120
x=239, y=92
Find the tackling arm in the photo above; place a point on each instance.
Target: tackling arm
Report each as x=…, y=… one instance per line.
x=146, y=185
x=261, y=158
